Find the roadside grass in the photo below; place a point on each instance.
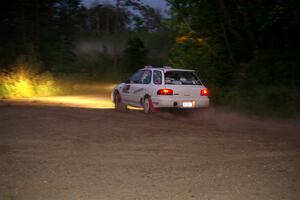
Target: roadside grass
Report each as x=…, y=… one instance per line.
x=24, y=83
x=269, y=101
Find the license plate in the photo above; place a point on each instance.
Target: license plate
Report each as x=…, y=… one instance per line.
x=187, y=104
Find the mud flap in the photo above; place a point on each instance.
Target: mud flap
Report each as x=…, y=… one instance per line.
x=153, y=109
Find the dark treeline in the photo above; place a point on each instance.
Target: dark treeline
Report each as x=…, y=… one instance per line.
x=247, y=52
x=63, y=36
x=244, y=42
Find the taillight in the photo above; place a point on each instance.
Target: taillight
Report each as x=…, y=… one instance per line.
x=165, y=92
x=204, y=92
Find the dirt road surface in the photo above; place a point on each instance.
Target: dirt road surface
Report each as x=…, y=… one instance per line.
x=73, y=153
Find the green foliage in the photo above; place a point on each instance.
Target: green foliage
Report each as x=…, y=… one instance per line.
x=158, y=45
x=149, y=19
x=239, y=48
x=31, y=59
x=245, y=51
x=58, y=56
x=278, y=101
x=22, y=83
x=135, y=54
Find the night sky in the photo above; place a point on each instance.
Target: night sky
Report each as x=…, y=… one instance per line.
x=154, y=3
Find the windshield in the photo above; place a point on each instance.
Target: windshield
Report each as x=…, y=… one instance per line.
x=181, y=78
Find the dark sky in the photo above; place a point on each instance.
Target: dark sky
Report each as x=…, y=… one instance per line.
x=154, y=3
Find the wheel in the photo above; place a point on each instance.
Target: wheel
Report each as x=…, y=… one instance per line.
x=148, y=105
x=147, y=108
x=119, y=105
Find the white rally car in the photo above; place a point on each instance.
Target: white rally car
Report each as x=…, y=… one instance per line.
x=152, y=88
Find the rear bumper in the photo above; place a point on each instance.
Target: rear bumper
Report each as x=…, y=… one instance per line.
x=175, y=102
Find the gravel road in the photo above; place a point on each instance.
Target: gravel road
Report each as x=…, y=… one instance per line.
x=68, y=153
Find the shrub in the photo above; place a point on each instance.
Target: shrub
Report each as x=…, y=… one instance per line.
x=24, y=83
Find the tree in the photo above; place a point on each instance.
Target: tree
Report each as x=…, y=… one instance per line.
x=38, y=25
x=148, y=19
x=135, y=54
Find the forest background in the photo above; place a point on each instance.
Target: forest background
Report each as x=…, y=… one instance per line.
x=245, y=52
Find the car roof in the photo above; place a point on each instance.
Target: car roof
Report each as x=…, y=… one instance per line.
x=167, y=68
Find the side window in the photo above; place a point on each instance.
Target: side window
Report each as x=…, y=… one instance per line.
x=146, y=77
x=135, y=78
x=157, y=77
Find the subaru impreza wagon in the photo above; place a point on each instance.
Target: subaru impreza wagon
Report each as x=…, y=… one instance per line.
x=152, y=88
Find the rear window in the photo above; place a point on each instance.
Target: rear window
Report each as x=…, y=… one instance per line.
x=181, y=78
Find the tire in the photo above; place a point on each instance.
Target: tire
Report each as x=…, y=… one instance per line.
x=147, y=108
x=119, y=105
x=147, y=105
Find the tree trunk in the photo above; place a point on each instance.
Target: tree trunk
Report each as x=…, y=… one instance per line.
x=23, y=24
x=97, y=22
x=115, y=39
x=228, y=22
x=249, y=30
x=226, y=19
x=37, y=23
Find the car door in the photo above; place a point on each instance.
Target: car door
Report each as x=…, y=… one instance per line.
x=127, y=89
x=139, y=89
